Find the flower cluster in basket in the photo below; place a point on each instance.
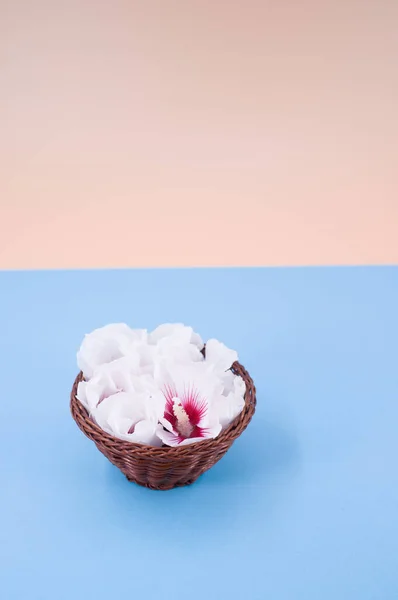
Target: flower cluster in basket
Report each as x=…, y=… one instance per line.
x=158, y=388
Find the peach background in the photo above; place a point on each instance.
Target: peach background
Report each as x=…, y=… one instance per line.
x=198, y=132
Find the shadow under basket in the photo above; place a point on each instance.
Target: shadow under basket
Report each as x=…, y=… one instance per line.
x=166, y=467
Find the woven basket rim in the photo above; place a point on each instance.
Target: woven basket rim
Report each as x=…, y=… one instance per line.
x=171, y=452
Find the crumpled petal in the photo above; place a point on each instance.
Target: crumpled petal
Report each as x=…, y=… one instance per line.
x=168, y=348
x=108, y=379
x=147, y=357
x=107, y=344
x=239, y=385
x=228, y=406
x=227, y=379
x=219, y=355
x=176, y=333
x=128, y=416
x=118, y=400
x=146, y=432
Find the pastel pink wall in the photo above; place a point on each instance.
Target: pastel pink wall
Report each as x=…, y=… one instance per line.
x=198, y=132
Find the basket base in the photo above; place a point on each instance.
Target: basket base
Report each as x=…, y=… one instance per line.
x=163, y=488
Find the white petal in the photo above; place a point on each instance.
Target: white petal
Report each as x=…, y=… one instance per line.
x=188, y=441
x=167, y=425
x=111, y=413
x=213, y=429
x=198, y=375
x=81, y=394
x=119, y=373
x=147, y=355
x=149, y=437
x=144, y=384
x=145, y=432
x=178, y=352
x=119, y=425
x=90, y=393
x=178, y=332
x=139, y=335
x=168, y=438
x=197, y=340
x=210, y=433
x=228, y=379
x=103, y=346
x=155, y=405
x=95, y=392
x=107, y=381
x=227, y=408
x=239, y=385
x=218, y=355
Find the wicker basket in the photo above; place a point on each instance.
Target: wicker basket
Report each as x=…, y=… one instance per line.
x=166, y=467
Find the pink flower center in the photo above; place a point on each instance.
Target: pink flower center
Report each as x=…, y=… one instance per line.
x=185, y=410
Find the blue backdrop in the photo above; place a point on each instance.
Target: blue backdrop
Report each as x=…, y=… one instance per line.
x=305, y=504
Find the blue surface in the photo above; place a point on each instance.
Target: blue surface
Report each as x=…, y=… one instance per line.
x=304, y=506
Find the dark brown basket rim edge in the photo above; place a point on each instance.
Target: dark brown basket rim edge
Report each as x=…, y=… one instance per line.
x=227, y=435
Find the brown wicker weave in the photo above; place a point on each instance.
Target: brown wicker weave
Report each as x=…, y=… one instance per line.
x=166, y=467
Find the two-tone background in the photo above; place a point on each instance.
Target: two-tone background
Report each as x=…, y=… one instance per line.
x=203, y=133
x=194, y=133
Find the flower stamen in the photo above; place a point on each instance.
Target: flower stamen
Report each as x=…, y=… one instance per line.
x=184, y=426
